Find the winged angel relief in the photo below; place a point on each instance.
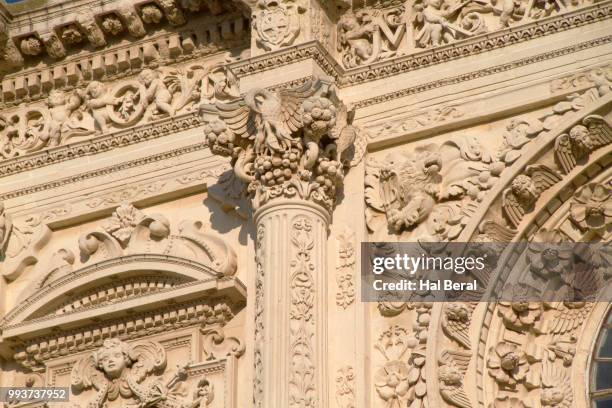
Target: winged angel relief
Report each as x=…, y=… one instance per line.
x=133, y=376
x=287, y=143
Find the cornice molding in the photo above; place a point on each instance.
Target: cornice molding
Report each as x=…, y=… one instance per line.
x=459, y=49
x=480, y=73
x=344, y=78
x=59, y=29
x=138, y=259
x=103, y=171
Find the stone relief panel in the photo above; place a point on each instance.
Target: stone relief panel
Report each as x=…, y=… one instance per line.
x=506, y=354
x=161, y=337
x=452, y=178
x=375, y=31
x=100, y=108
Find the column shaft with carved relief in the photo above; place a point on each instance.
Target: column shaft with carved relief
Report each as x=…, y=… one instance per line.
x=290, y=299
x=289, y=149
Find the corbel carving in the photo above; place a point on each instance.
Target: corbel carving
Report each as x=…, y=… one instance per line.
x=132, y=20
x=173, y=13
x=53, y=45
x=92, y=31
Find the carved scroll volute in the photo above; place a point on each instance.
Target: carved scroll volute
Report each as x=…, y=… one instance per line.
x=220, y=255
x=100, y=244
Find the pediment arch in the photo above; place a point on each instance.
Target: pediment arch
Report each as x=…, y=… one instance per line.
x=116, y=273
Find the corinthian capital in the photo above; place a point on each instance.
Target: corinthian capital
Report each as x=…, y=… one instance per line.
x=286, y=144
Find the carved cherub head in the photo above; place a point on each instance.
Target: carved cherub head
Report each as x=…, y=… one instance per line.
x=114, y=357
x=95, y=89
x=524, y=188
x=56, y=98
x=204, y=392
x=146, y=77
x=579, y=135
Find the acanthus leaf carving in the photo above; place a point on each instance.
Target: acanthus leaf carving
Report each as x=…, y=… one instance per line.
x=302, y=317
x=345, y=387
x=218, y=345
x=345, y=266
x=20, y=242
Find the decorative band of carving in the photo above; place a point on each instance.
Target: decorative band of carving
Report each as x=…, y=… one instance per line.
x=103, y=171
x=32, y=353
x=485, y=72
x=117, y=139
x=461, y=48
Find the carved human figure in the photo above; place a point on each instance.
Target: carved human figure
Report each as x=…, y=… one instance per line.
x=357, y=38
x=436, y=27
x=61, y=109
x=156, y=91
x=509, y=9
x=97, y=99
x=5, y=229
x=203, y=394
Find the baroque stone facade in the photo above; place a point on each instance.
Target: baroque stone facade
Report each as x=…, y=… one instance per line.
x=184, y=185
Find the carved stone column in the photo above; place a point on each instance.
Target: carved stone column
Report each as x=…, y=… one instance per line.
x=289, y=149
x=290, y=305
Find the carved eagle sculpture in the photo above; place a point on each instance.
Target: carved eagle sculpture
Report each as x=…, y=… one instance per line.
x=525, y=190
x=268, y=119
x=571, y=147
x=266, y=123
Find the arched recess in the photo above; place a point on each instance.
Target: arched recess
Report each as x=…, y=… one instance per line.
x=545, y=342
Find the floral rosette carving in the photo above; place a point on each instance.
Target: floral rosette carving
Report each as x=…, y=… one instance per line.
x=508, y=364
x=591, y=208
x=288, y=144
